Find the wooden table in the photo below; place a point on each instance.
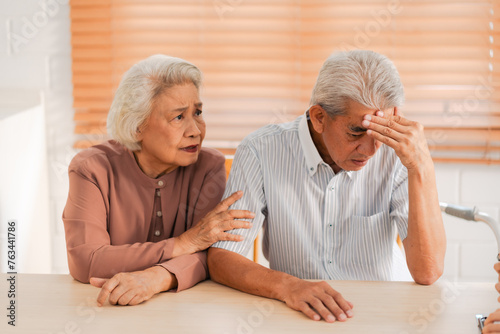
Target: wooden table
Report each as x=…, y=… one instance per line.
x=58, y=304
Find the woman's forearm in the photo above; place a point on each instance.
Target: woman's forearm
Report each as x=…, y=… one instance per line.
x=91, y=260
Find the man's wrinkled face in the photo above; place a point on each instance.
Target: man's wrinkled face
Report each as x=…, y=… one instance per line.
x=346, y=141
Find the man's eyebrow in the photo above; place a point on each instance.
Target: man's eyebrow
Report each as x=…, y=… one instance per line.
x=357, y=129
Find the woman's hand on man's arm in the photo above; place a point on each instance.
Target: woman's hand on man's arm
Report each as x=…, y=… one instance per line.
x=135, y=287
x=213, y=227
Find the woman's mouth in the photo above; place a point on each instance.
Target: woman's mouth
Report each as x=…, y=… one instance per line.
x=190, y=149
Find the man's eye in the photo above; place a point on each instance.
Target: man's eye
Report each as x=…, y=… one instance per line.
x=178, y=117
x=354, y=135
x=198, y=112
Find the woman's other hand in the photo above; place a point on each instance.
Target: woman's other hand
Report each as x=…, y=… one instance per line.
x=492, y=323
x=135, y=287
x=213, y=227
x=497, y=285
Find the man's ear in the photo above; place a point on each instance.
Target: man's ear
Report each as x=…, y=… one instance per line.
x=397, y=112
x=318, y=116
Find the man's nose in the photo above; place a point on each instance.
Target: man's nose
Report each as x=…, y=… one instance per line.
x=368, y=146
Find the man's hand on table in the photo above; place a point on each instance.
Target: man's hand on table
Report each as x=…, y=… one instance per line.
x=135, y=287
x=316, y=300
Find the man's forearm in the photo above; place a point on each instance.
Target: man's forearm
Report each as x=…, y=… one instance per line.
x=240, y=273
x=425, y=245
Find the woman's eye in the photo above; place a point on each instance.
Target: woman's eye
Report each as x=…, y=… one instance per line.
x=355, y=135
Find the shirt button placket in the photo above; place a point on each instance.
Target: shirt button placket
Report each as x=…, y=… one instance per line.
x=159, y=213
x=332, y=208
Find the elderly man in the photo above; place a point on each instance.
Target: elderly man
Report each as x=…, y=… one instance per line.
x=332, y=189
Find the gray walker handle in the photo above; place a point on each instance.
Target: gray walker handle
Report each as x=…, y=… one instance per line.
x=473, y=214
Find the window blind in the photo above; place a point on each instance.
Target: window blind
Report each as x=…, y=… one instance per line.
x=260, y=60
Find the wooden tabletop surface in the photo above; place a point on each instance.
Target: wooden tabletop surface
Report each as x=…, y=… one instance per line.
x=58, y=304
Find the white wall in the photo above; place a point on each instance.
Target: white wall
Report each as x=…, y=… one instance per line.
x=472, y=248
x=35, y=55
x=25, y=197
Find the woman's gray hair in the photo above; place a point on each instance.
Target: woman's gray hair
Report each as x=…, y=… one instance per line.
x=140, y=86
x=366, y=77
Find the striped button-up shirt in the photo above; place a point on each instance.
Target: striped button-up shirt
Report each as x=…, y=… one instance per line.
x=319, y=224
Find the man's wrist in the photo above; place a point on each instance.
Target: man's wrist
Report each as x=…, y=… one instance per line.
x=283, y=287
x=423, y=170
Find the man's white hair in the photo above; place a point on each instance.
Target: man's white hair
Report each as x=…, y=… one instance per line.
x=366, y=77
x=140, y=86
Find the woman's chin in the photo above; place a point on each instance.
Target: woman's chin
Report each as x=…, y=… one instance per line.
x=189, y=160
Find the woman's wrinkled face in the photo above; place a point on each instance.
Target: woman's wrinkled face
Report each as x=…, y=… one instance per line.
x=173, y=133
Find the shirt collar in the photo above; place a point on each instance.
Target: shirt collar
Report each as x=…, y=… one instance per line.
x=311, y=154
x=158, y=183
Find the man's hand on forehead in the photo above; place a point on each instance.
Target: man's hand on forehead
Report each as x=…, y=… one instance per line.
x=406, y=137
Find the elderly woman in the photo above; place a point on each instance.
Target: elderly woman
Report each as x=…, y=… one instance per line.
x=143, y=208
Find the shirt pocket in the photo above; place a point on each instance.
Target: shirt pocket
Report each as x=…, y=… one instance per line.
x=369, y=241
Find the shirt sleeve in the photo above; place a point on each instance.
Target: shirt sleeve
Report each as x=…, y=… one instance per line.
x=246, y=175
x=90, y=253
x=399, y=208
x=191, y=269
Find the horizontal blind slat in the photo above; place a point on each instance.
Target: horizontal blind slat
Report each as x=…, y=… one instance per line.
x=260, y=59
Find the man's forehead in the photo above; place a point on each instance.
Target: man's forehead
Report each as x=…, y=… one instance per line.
x=353, y=121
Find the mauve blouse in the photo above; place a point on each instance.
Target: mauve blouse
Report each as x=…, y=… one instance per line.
x=117, y=219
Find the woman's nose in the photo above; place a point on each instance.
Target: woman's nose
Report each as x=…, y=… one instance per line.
x=193, y=130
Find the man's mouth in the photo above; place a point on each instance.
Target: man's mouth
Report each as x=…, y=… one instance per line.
x=360, y=162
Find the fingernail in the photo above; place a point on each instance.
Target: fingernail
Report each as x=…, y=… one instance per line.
x=368, y=117
x=252, y=214
x=349, y=313
x=330, y=318
x=99, y=304
x=239, y=192
x=248, y=224
x=316, y=317
x=380, y=114
x=365, y=123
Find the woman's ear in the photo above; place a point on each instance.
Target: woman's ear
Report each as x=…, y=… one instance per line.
x=139, y=131
x=317, y=115
x=138, y=134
